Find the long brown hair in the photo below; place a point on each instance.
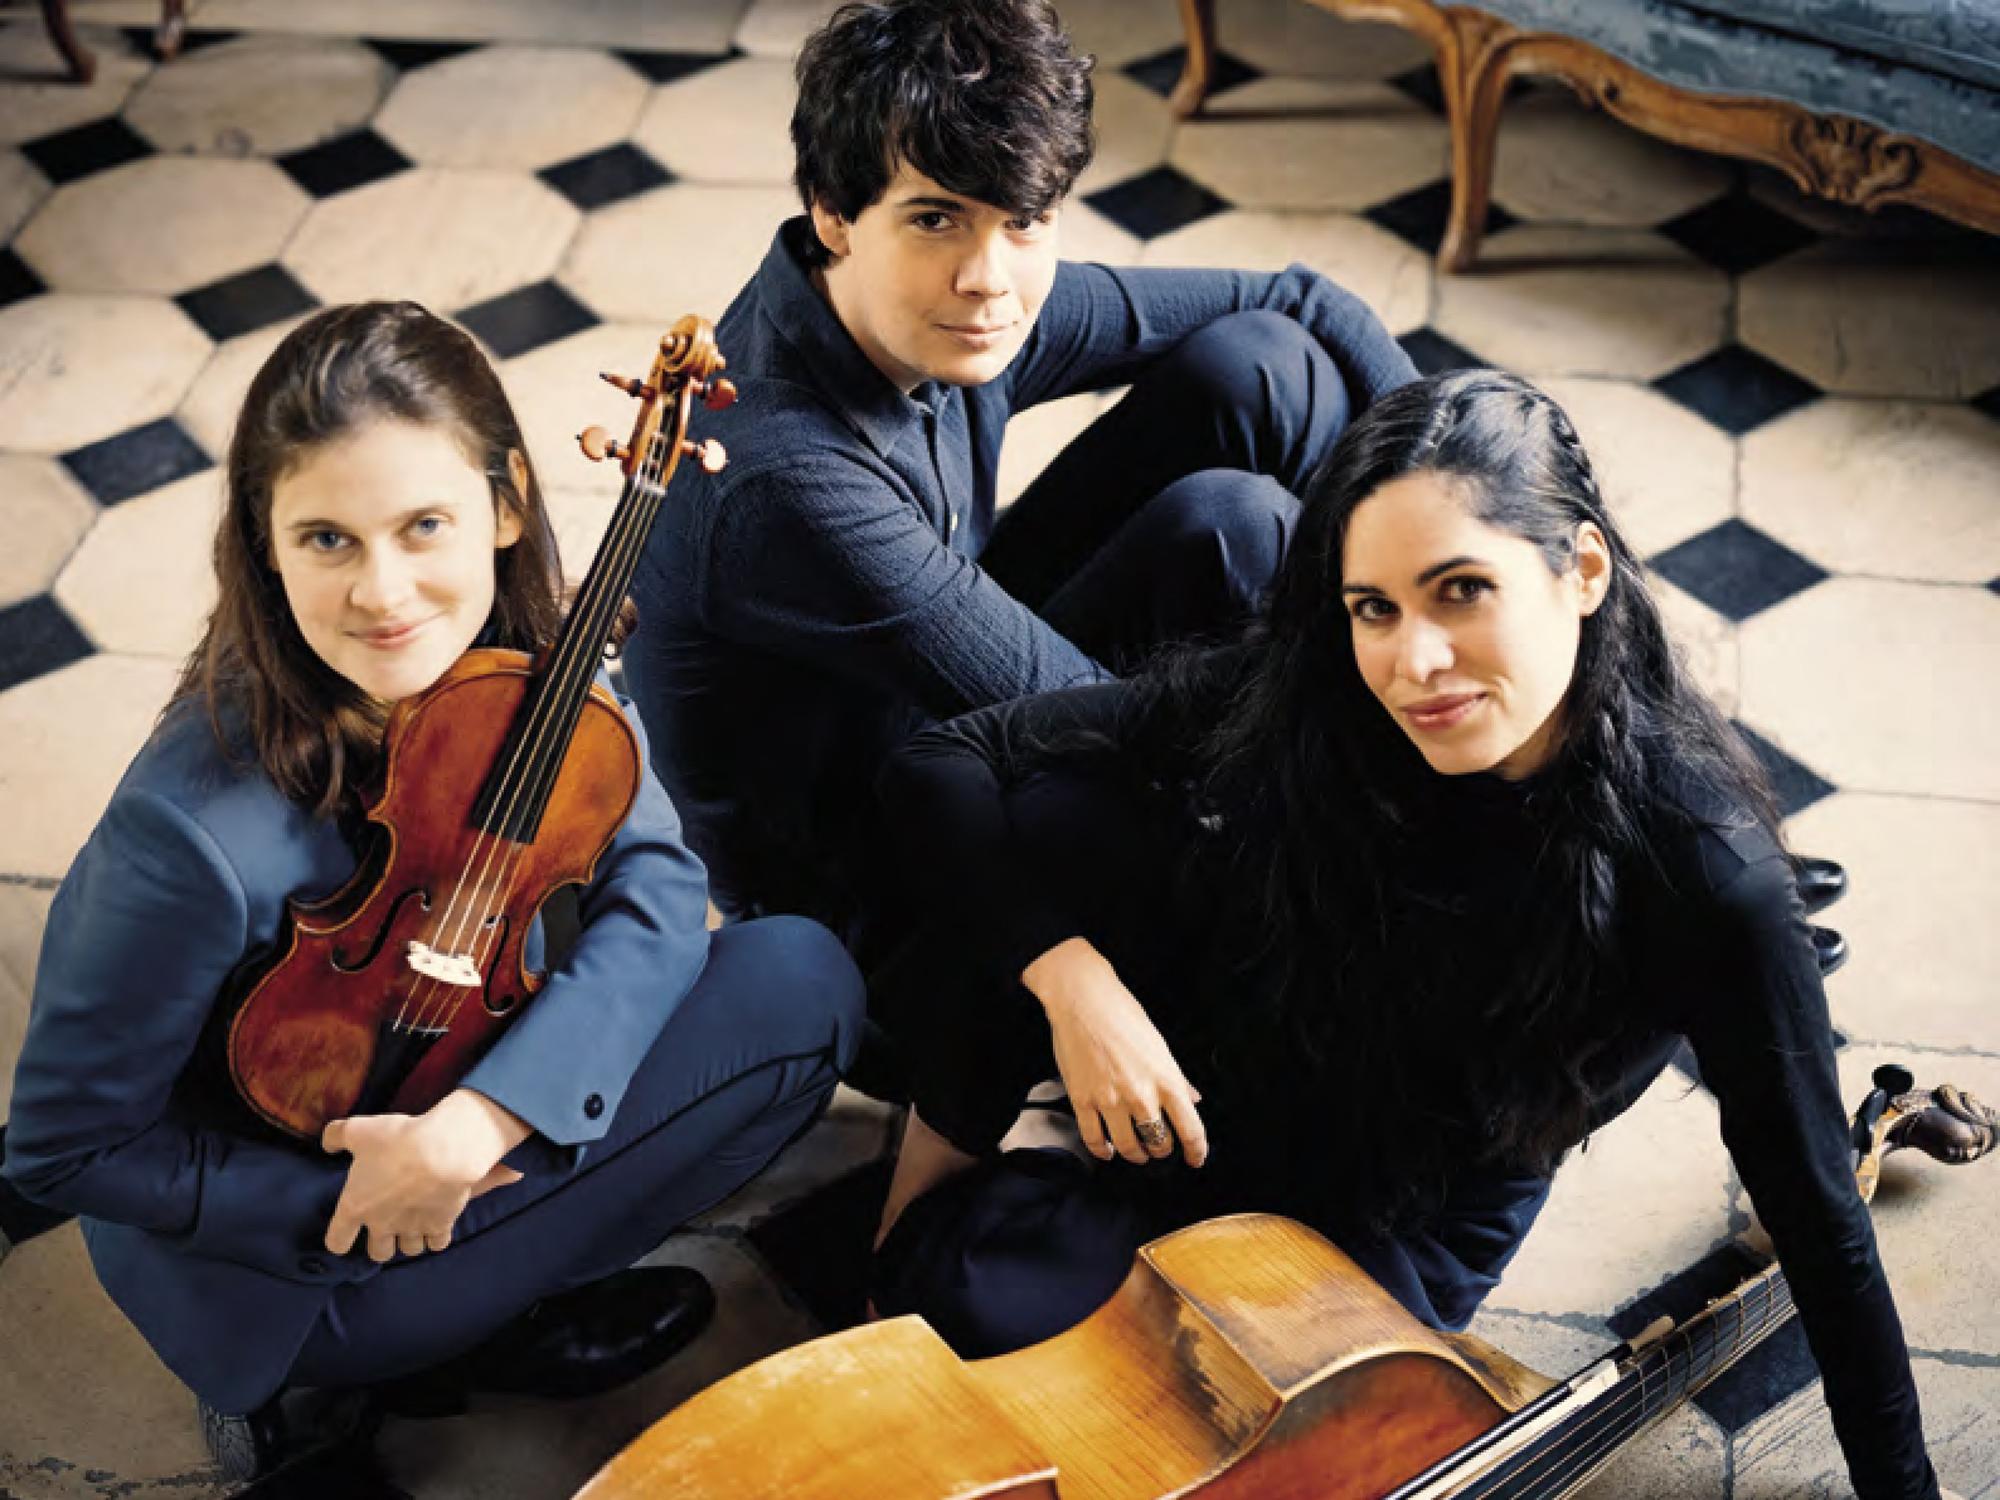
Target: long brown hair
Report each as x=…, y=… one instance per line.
x=267, y=692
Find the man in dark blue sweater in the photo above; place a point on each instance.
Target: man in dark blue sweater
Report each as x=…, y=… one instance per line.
x=846, y=578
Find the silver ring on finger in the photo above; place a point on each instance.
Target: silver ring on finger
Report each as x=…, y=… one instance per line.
x=1153, y=1133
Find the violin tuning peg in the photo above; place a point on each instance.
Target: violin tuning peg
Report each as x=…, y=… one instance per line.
x=598, y=445
x=718, y=393
x=710, y=454
x=625, y=383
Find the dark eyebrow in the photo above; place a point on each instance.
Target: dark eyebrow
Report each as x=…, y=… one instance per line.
x=1359, y=588
x=317, y=523
x=948, y=205
x=1446, y=566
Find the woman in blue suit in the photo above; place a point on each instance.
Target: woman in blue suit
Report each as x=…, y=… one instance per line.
x=381, y=517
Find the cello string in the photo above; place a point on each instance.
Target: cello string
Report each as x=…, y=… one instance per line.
x=1509, y=1473
x=1587, y=1466
x=1620, y=1415
x=598, y=612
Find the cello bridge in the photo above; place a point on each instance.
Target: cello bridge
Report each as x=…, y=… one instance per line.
x=448, y=968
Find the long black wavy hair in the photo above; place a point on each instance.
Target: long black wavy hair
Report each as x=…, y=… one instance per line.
x=1428, y=1021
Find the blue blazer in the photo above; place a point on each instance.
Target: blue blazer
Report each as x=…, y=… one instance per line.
x=210, y=1239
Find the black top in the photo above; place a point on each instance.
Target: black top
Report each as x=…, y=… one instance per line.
x=1713, y=939
x=805, y=609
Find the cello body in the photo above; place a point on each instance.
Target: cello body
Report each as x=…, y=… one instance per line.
x=1243, y=1357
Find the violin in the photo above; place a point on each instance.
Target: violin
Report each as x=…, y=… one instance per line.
x=1245, y=1358
x=503, y=781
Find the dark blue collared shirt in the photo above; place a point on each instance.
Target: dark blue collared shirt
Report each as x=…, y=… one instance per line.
x=806, y=609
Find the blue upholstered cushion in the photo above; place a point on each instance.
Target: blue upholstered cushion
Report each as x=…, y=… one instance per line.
x=1697, y=50
x=1958, y=38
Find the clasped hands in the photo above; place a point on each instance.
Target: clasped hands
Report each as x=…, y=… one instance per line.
x=1116, y=1066
x=412, y=1175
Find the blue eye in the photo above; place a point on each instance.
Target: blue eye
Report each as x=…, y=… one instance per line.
x=426, y=527
x=324, y=541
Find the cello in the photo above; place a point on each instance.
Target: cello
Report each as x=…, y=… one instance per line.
x=1243, y=1357
x=502, y=782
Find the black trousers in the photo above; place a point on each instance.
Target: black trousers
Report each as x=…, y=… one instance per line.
x=1029, y=1242
x=1166, y=519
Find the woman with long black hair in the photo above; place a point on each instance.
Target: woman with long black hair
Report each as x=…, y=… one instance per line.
x=1370, y=919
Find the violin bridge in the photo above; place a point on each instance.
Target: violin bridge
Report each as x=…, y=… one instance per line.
x=447, y=968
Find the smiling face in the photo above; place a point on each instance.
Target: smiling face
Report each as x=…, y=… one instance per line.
x=934, y=285
x=1461, y=629
x=385, y=540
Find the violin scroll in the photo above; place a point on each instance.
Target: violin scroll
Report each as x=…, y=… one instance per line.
x=688, y=365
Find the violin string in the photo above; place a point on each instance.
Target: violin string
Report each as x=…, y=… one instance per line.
x=1620, y=1415
x=520, y=775
x=1779, y=1307
x=624, y=546
x=1507, y=1476
x=598, y=613
x=516, y=778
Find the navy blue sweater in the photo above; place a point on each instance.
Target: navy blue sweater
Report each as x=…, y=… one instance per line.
x=803, y=611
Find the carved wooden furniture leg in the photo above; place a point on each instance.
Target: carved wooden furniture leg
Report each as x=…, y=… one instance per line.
x=82, y=65
x=173, y=28
x=1198, y=20
x=1473, y=72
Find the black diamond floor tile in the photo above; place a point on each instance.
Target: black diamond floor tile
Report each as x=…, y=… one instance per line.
x=16, y=280
x=1768, y=1375
x=1795, y=785
x=1738, y=233
x=1421, y=84
x=819, y=1247
x=410, y=55
x=136, y=462
x=1162, y=71
x=1156, y=202
x=671, y=67
x=241, y=304
x=1420, y=216
x=602, y=177
x=1737, y=389
x=37, y=638
x=1736, y=570
x=70, y=154
x=1432, y=353
x=527, y=318
x=1764, y=1379
x=349, y=161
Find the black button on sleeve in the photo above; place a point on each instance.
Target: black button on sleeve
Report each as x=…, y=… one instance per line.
x=593, y=1106
x=312, y=1265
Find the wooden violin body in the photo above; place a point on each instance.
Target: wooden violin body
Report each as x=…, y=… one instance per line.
x=503, y=780
x=315, y=1036
x=1242, y=1359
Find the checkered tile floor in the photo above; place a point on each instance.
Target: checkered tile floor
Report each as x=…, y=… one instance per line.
x=1796, y=411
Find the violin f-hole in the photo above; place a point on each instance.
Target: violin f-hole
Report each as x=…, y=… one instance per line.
x=338, y=957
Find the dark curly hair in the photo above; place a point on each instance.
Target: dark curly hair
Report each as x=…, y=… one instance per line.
x=984, y=97
x=1345, y=950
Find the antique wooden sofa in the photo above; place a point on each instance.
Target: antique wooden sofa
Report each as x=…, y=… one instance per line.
x=1866, y=102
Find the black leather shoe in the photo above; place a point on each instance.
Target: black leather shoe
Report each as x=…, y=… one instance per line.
x=1831, y=949
x=1821, y=882
x=596, y=1338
